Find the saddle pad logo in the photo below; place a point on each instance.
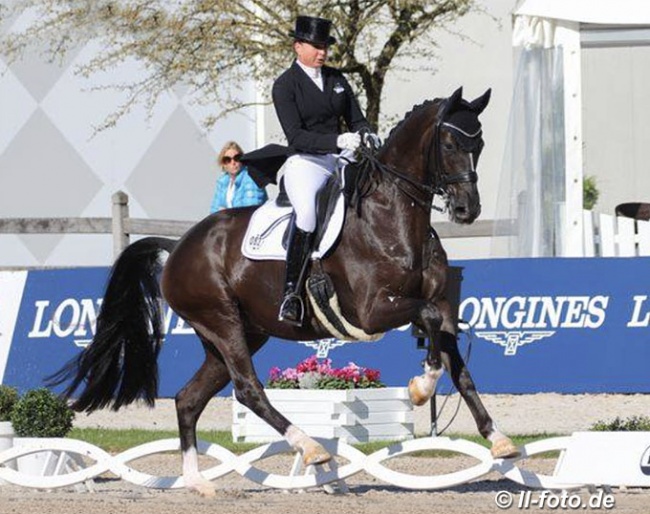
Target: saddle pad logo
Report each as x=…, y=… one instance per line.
x=263, y=239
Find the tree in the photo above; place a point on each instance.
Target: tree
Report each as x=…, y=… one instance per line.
x=214, y=45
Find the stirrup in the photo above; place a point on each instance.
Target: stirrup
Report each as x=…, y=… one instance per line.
x=292, y=320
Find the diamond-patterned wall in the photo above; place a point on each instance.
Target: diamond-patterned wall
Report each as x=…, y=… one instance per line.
x=52, y=164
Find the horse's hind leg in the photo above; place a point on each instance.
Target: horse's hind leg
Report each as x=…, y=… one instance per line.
x=211, y=377
x=229, y=339
x=502, y=445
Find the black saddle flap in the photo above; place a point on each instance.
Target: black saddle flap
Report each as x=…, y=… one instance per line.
x=282, y=199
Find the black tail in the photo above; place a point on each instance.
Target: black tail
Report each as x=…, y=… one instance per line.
x=120, y=365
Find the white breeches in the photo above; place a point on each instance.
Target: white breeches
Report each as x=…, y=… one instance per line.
x=304, y=175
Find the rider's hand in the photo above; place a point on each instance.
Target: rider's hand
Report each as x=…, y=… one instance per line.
x=348, y=141
x=371, y=140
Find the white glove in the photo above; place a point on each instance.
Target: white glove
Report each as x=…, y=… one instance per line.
x=348, y=141
x=372, y=140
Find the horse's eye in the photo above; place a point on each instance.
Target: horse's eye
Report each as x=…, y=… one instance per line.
x=450, y=147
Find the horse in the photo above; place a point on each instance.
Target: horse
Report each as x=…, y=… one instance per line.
x=384, y=270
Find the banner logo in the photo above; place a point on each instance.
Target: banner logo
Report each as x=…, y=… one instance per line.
x=511, y=341
x=323, y=346
x=519, y=320
x=77, y=318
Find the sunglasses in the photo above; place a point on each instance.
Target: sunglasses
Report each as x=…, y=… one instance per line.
x=227, y=159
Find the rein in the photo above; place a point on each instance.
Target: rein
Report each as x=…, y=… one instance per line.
x=421, y=194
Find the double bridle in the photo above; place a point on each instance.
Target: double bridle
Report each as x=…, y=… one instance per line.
x=422, y=194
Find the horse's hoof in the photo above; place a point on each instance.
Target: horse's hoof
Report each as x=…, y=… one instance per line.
x=504, y=449
x=204, y=489
x=315, y=455
x=416, y=394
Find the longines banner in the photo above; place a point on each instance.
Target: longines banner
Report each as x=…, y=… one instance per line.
x=535, y=325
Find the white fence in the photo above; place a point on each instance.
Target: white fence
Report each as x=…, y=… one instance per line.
x=613, y=459
x=615, y=236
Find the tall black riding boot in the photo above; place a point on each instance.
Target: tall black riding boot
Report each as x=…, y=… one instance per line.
x=292, y=309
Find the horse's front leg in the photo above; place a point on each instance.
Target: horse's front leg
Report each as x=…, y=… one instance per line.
x=389, y=311
x=502, y=445
x=421, y=388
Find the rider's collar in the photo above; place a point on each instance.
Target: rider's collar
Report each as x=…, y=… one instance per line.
x=312, y=73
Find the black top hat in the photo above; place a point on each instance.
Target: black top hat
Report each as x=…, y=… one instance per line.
x=313, y=30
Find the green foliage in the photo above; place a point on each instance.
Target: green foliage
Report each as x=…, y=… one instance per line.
x=117, y=441
x=8, y=398
x=282, y=383
x=328, y=382
x=630, y=424
x=40, y=413
x=590, y=192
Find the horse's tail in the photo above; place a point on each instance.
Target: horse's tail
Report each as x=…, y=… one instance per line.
x=120, y=365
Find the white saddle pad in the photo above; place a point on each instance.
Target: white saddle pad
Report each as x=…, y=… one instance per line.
x=263, y=239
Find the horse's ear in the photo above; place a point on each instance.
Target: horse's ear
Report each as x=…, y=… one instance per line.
x=479, y=105
x=456, y=96
x=449, y=104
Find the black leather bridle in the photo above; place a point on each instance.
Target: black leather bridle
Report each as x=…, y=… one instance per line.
x=423, y=193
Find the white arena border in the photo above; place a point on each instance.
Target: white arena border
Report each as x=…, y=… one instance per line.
x=317, y=477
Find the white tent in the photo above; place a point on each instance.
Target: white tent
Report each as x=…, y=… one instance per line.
x=543, y=165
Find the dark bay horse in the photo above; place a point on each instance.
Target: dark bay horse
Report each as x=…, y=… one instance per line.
x=386, y=270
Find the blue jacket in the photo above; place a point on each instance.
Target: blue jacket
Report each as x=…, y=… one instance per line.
x=246, y=192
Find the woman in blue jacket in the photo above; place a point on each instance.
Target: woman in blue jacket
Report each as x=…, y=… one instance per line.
x=235, y=188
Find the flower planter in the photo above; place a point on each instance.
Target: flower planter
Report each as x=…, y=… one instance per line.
x=352, y=415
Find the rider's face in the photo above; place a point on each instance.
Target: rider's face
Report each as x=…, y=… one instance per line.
x=310, y=54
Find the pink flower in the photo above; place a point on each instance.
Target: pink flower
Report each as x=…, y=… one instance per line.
x=372, y=375
x=309, y=364
x=290, y=374
x=325, y=367
x=322, y=369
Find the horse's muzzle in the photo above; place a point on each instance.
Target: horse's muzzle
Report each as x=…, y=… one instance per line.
x=464, y=211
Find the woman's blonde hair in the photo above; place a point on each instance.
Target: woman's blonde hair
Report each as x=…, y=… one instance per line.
x=230, y=145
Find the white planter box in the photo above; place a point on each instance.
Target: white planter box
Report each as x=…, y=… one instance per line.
x=352, y=415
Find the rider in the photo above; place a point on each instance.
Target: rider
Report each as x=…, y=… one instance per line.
x=310, y=100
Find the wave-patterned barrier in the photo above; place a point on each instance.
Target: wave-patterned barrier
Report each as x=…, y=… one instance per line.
x=96, y=462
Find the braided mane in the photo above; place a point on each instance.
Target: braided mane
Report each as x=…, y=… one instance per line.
x=416, y=108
